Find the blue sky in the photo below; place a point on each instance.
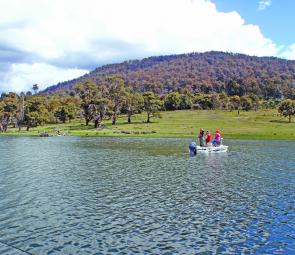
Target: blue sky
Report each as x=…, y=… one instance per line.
x=50, y=41
x=276, y=21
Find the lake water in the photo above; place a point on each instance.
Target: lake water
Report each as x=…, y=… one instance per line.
x=70, y=195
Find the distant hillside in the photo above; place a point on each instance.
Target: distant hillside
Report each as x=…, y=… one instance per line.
x=234, y=74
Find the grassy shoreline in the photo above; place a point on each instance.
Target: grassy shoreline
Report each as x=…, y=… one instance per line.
x=263, y=124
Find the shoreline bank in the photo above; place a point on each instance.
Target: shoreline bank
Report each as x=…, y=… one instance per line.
x=263, y=124
x=230, y=137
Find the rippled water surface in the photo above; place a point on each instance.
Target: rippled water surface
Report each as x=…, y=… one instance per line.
x=69, y=195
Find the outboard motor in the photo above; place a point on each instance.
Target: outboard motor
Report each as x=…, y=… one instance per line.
x=192, y=149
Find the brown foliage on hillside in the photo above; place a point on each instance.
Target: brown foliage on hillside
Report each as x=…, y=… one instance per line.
x=233, y=74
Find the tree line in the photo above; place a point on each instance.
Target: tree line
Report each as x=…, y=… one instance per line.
x=112, y=97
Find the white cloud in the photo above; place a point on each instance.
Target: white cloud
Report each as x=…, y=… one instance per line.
x=263, y=4
x=83, y=34
x=289, y=53
x=21, y=77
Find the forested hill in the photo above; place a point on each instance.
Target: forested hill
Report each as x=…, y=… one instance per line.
x=234, y=74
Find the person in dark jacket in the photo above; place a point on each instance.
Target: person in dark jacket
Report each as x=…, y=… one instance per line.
x=202, y=137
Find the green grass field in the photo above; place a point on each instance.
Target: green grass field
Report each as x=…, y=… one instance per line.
x=247, y=125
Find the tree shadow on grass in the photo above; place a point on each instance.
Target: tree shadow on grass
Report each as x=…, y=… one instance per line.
x=132, y=123
x=83, y=127
x=280, y=121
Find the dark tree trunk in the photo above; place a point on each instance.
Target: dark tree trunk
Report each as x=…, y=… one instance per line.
x=129, y=114
x=97, y=122
x=148, y=118
x=5, y=123
x=28, y=128
x=129, y=117
x=87, y=121
x=114, y=119
x=290, y=118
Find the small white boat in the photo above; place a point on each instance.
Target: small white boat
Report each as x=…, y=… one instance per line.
x=220, y=148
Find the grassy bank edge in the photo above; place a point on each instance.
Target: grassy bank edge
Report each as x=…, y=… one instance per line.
x=260, y=125
x=234, y=136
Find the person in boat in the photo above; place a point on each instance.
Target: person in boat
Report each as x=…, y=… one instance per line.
x=208, y=137
x=202, y=137
x=217, y=138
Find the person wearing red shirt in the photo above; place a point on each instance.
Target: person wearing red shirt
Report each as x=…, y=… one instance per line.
x=208, y=137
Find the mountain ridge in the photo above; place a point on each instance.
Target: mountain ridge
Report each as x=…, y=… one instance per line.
x=214, y=71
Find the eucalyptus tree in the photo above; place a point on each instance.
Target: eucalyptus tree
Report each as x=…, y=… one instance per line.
x=224, y=101
x=152, y=104
x=67, y=109
x=20, y=112
x=134, y=103
x=186, y=101
x=88, y=93
x=103, y=106
x=172, y=101
x=216, y=102
x=118, y=95
x=1, y=115
x=8, y=109
x=35, y=112
x=246, y=103
x=234, y=103
x=204, y=101
x=61, y=114
x=35, y=88
x=255, y=101
x=287, y=108
x=99, y=109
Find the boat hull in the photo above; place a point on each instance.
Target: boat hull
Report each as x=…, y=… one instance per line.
x=221, y=148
